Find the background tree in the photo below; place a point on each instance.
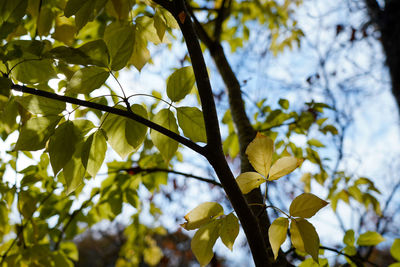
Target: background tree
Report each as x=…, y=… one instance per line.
x=93, y=42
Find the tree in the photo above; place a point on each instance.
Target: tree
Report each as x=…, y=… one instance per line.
x=85, y=45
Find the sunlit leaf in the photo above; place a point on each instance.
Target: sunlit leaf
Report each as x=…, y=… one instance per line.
x=152, y=255
x=229, y=229
x=277, y=234
x=348, y=238
x=203, y=242
x=180, y=83
x=191, y=121
x=135, y=132
x=202, y=214
x=164, y=144
x=247, y=181
x=306, y=205
x=259, y=152
x=395, y=249
x=97, y=52
x=85, y=80
x=93, y=152
x=33, y=70
x=370, y=238
x=41, y=105
x=74, y=171
x=119, y=39
x=304, y=237
x=35, y=133
x=283, y=166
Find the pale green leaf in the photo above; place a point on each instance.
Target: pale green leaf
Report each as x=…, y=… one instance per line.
x=259, y=152
x=140, y=55
x=164, y=144
x=33, y=70
x=306, y=205
x=304, y=237
x=203, y=242
x=277, y=234
x=74, y=171
x=62, y=145
x=370, y=238
x=135, y=132
x=97, y=52
x=93, y=152
x=35, y=133
x=283, y=166
x=202, y=214
x=229, y=229
x=247, y=181
x=395, y=249
x=152, y=255
x=191, y=121
x=348, y=238
x=120, y=40
x=85, y=80
x=396, y=264
x=45, y=21
x=315, y=142
x=41, y=105
x=180, y=83
x=146, y=29
x=70, y=249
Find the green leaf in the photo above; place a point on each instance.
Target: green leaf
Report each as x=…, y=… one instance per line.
x=370, y=238
x=229, y=229
x=247, y=181
x=348, y=238
x=164, y=144
x=396, y=264
x=259, y=152
x=125, y=135
x=140, y=55
x=35, y=133
x=33, y=71
x=283, y=166
x=191, y=121
x=5, y=86
x=119, y=39
x=146, y=29
x=41, y=105
x=97, y=52
x=70, y=249
x=152, y=255
x=306, y=205
x=135, y=132
x=304, y=237
x=85, y=80
x=395, y=249
x=74, y=171
x=203, y=242
x=45, y=21
x=202, y=214
x=62, y=145
x=93, y=152
x=83, y=11
x=11, y=13
x=277, y=234
x=315, y=142
x=180, y=83
x=284, y=103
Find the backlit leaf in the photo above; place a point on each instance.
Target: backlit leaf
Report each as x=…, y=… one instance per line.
x=41, y=105
x=247, y=181
x=74, y=171
x=395, y=249
x=97, y=51
x=277, y=234
x=370, y=238
x=203, y=242
x=64, y=30
x=93, y=152
x=202, y=214
x=84, y=11
x=283, y=166
x=85, y=80
x=164, y=144
x=152, y=255
x=119, y=39
x=135, y=132
x=306, y=205
x=304, y=237
x=147, y=30
x=180, y=83
x=229, y=229
x=35, y=133
x=348, y=238
x=62, y=145
x=259, y=152
x=33, y=70
x=140, y=55
x=191, y=121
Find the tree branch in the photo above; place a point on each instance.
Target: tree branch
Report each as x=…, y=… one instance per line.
x=137, y=170
x=184, y=141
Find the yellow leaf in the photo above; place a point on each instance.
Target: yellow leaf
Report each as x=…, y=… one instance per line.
x=229, y=229
x=304, y=237
x=259, y=152
x=370, y=238
x=202, y=214
x=283, y=166
x=203, y=242
x=247, y=181
x=306, y=205
x=277, y=234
